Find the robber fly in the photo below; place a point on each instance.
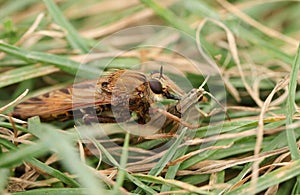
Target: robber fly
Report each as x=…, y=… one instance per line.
x=123, y=91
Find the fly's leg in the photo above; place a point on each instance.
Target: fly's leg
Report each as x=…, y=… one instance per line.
x=95, y=115
x=89, y=119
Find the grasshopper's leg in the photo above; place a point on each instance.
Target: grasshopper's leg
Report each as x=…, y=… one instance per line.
x=175, y=118
x=205, y=114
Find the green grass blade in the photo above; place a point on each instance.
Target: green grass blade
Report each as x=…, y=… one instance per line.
x=9, y=125
x=4, y=172
x=290, y=133
x=291, y=109
x=140, y=184
x=23, y=73
x=42, y=166
x=63, y=146
x=136, y=181
x=62, y=63
x=172, y=183
x=202, y=8
x=106, y=153
x=172, y=170
x=123, y=161
x=13, y=6
x=276, y=177
x=73, y=37
x=16, y=157
x=133, y=179
x=168, y=156
x=56, y=191
x=169, y=16
x=54, y=172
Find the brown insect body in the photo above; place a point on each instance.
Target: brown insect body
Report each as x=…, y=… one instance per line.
x=111, y=98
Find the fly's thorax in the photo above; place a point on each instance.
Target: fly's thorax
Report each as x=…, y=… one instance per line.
x=130, y=94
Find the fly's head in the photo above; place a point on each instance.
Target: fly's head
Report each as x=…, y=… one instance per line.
x=163, y=87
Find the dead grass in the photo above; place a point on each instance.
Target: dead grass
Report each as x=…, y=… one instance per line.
x=254, y=45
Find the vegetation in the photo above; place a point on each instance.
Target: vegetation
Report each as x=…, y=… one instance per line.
x=253, y=45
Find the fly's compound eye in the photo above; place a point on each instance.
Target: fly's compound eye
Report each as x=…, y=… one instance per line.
x=156, y=86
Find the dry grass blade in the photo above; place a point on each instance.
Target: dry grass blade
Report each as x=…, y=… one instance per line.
x=123, y=23
x=247, y=45
x=257, y=25
x=189, y=155
x=260, y=130
x=244, y=180
x=182, y=185
x=17, y=100
x=234, y=51
x=31, y=30
x=214, y=166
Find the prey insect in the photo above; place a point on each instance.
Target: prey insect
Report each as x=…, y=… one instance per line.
x=113, y=97
x=188, y=102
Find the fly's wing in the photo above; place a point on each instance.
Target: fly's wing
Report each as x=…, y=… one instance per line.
x=113, y=88
x=57, y=102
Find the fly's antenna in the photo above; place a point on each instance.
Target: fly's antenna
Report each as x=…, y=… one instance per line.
x=161, y=72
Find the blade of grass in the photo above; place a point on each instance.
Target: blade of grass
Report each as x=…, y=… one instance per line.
x=62, y=63
x=220, y=178
x=4, y=172
x=173, y=183
x=23, y=73
x=200, y=8
x=123, y=161
x=140, y=184
x=76, y=41
x=54, y=172
x=290, y=134
x=166, y=158
x=116, y=164
x=106, y=153
x=172, y=170
x=195, y=179
x=290, y=107
x=13, y=6
x=45, y=168
x=169, y=16
x=16, y=157
x=18, y=99
x=277, y=142
x=173, y=20
x=56, y=191
x=276, y=177
x=70, y=159
x=256, y=24
x=9, y=125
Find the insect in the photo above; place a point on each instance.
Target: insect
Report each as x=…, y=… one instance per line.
x=115, y=97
